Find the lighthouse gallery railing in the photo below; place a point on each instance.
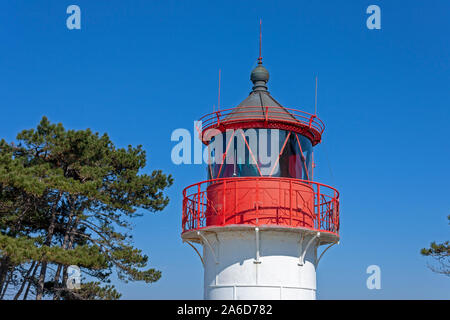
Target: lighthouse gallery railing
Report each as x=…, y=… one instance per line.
x=256, y=113
x=295, y=203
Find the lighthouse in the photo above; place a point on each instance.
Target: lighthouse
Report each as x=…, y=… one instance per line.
x=262, y=221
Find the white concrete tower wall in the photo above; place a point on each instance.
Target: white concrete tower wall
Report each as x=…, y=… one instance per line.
x=259, y=264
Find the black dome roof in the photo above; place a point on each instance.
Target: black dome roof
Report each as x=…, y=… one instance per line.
x=252, y=106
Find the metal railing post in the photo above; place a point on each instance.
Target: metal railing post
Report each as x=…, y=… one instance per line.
x=318, y=207
x=224, y=201
x=257, y=201
x=290, y=202
x=218, y=117
x=198, y=205
x=235, y=203
x=184, y=214
x=334, y=212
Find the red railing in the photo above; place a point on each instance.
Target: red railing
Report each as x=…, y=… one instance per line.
x=261, y=201
x=258, y=113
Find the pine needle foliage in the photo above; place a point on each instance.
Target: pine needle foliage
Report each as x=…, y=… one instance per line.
x=440, y=252
x=67, y=197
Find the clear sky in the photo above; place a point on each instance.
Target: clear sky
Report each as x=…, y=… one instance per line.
x=140, y=69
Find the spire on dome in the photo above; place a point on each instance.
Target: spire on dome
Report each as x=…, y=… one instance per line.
x=259, y=75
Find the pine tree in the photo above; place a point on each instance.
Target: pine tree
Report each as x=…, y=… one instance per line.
x=67, y=198
x=441, y=253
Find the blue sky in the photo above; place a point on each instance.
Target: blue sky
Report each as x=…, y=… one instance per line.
x=140, y=69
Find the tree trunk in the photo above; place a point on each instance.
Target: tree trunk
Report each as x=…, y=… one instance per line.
x=30, y=280
x=69, y=246
x=4, y=264
x=48, y=241
x=5, y=287
x=69, y=229
x=25, y=279
x=56, y=285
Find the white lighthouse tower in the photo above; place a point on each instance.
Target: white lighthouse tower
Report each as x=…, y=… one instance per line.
x=260, y=224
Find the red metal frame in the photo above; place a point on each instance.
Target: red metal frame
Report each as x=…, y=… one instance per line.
x=225, y=154
x=281, y=152
x=268, y=117
x=251, y=153
x=302, y=157
x=198, y=205
x=254, y=158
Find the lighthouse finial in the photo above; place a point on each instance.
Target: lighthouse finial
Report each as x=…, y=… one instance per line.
x=260, y=41
x=259, y=75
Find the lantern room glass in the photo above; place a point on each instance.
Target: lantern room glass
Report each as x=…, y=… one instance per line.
x=245, y=159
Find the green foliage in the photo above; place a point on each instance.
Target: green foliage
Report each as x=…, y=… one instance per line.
x=66, y=198
x=93, y=291
x=24, y=250
x=440, y=252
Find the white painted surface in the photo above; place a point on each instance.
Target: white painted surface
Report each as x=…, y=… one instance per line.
x=232, y=270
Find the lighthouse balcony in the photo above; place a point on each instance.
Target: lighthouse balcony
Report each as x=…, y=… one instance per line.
x=269, y=202
x=268, y=117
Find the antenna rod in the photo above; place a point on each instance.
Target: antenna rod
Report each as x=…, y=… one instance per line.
x=260, y=41
x=218, y=102
x=315, y=100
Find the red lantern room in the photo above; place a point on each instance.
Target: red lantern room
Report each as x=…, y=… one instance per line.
x=244, y=190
